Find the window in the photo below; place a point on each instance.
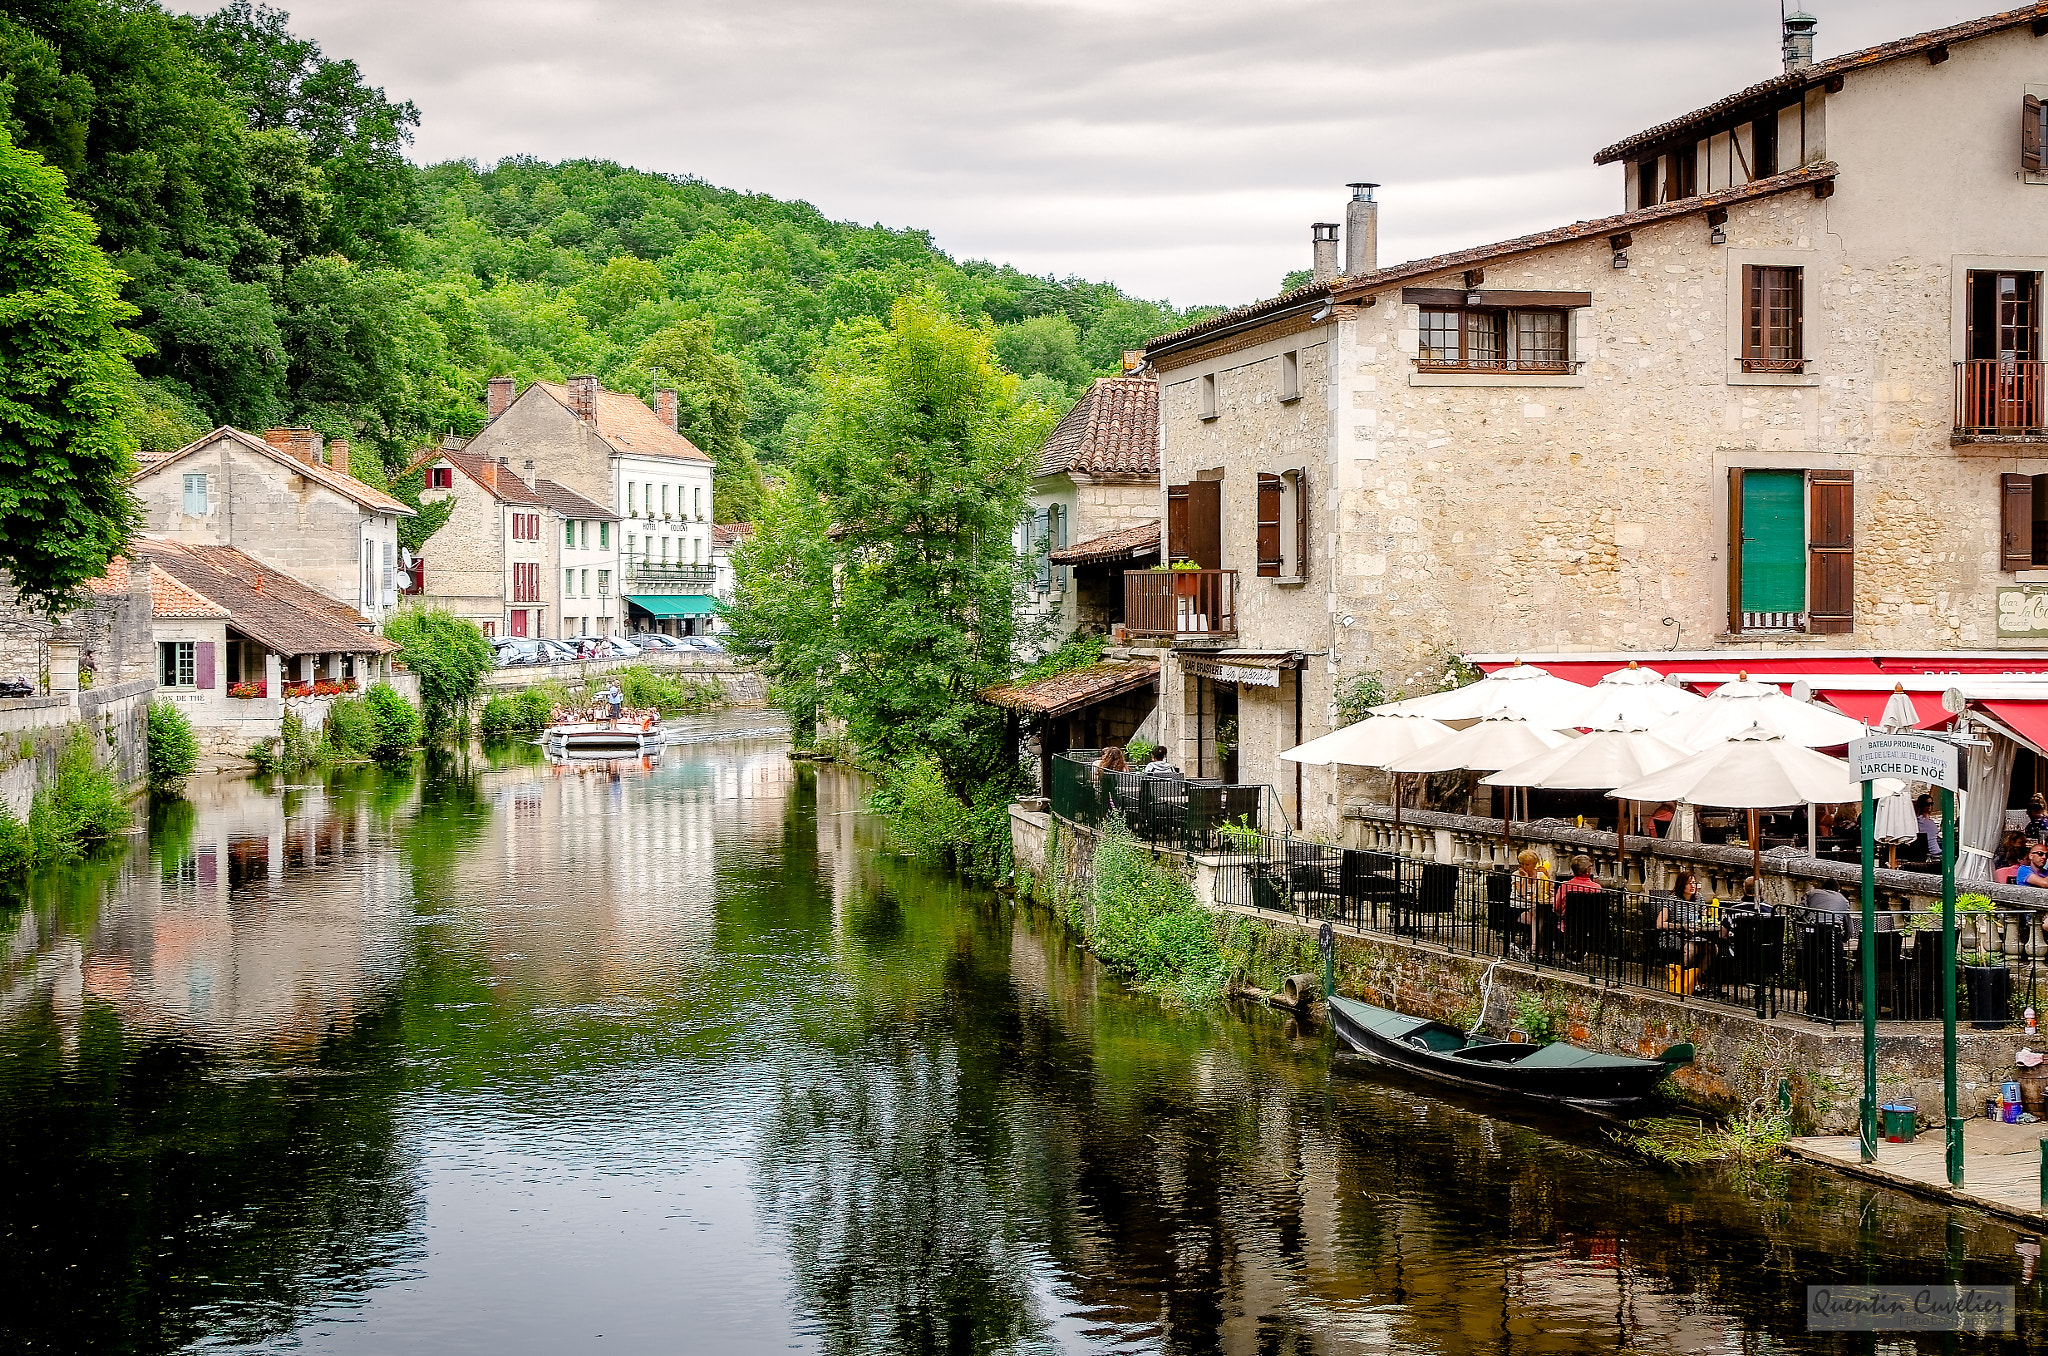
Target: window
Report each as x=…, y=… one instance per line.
x=490, y=628
x=1208, y=397
x=1194, y=523
x=583, y=536
x=1646, y=182
x=1290, y=377
x=585, y=581
x=195, y=494
x=1998, y=385
x=664, y=501
x=697, y=504
x=568, y=582
x=1791, y=551
x=1041, y=548
x=178, y=663
x=604, y=583
x=1283, y=525
x=1763, y=146
x=664, y=550
x=1484, y=339
x=526, y=582
x=568, y=533
x=604, y=536
x=1682, y=175
x=632, y=544
x=2023, y=525
x=440, y=477
x=631, y=488
x=1772, y=323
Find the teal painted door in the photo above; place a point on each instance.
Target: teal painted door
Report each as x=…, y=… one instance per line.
x=1773, y=541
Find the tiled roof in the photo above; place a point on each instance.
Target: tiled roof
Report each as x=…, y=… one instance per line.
x=268, y=606
x=172, y=599
x=725, y=536
x=570, y=504
x=1071, y=691
x=632, y=429
x=1781, y=88
x=496, y=478
x=112, y=584
x=1113, y=429
x=348, y=486
x=1348, y=289
x=1230, y=320
x=1132, y=543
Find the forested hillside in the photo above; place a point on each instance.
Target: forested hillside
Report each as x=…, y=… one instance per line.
x=288, y=265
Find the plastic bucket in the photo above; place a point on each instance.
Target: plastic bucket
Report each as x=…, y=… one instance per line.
x=1899, y=1119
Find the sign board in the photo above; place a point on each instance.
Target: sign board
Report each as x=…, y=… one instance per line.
x=1224, y=672
x=1910, y=757
x=2023, y=612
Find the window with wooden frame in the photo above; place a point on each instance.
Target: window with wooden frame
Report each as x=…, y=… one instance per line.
x=2033, y=134
x=1763, y=146
x=1773, y=320
x=440, y=477
x=1682, y=172
x=1646, y=182
x=1791, y=551
x=2023, y=522
x=1269, y=525
x=1283, y=525
x=1477, y=339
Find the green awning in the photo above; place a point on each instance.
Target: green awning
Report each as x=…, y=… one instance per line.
x=675, y=604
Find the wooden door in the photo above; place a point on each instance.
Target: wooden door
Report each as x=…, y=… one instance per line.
x=518, y=621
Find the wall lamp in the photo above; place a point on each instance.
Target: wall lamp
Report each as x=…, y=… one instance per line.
x=1716, y=219
x=1619, y=243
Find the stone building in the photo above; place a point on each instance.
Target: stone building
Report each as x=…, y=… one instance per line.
x=609, y=447
x=1789, y=398
x=1094, y=509
x=286, y=499
x=520, y=555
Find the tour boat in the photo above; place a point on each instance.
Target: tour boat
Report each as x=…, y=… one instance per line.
x=1557, y=1072
x=633, y=732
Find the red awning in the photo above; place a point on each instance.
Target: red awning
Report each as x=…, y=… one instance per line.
x=1868, y=707
x=2029, y=720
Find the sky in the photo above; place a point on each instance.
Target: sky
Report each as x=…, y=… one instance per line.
x=1179, y=148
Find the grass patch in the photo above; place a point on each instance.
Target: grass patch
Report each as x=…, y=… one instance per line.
x=1681, y=1141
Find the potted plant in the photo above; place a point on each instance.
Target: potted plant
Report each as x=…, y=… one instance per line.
x=1990, y=989
x=1187, y=579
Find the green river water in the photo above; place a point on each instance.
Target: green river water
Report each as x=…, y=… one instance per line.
x=499, y=1056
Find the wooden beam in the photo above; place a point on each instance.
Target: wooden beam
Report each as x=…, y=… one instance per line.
x=1937, y=54
x=1621, y=240
x=2041, y=28
x=1474, y=277
x=1824, y=189
x=1717, y=216
x=1456, y=296
x=1833, y=85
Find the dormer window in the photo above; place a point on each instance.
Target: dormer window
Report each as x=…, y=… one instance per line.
x=440, y=477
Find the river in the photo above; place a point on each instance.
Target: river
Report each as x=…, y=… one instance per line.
x=504, y=1057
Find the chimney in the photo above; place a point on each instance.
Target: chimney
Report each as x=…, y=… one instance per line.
x=498, y=396
x=583, y=398
x=1361, y=231
x=1799, y=26
x=300, y=444
x=665, y=408
x=526, y=473
x=1324, y=236
x=1134, y=358
x=337, y=456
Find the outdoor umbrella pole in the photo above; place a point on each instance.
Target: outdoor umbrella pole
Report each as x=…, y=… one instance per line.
x=1756, y=856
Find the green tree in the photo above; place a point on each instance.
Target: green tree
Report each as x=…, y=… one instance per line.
x=66, y=390
x=450, y=657
x=173, y=750
x=711, y=411
x=921, y=456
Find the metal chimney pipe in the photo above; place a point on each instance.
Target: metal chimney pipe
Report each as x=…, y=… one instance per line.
x=1799, y=26
x=1323, y=235
x=1361, y=231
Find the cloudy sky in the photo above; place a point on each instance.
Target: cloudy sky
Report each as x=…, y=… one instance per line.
x=1179, y=148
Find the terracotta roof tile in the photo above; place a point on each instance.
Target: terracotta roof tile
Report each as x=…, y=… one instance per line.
x=267, y=605
x=632, y=429
x=500, y=481
x=1132, y=543
x=725, y=536
x=348, y=486
x=1230, y=320
x=570, y=504
x=172, y=599
x=112, y=584
x=1113, y=429
x=1782, y=88
x=1071, y=691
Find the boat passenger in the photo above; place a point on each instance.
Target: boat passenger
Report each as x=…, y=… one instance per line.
x=613, y=698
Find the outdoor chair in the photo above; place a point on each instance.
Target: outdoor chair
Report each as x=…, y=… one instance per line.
x=1315, y=872
x=1130, y=800
x=1824, y=969
x=1241, y=804
x=1434, y=894
x=1203, y=812
x=1503, y=919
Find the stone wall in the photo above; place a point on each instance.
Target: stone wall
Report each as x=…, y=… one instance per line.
x=744, y=685
x=34, y=731
x=466, y=560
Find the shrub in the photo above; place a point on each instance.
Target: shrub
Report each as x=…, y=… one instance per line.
x=449, y=655
x=928, y=820
x=173, y=751
x=351, y=728
x=291, y=749
x=398, y=725
x=671, y=696
x=524, y=712
x=1146, y=922
x=81, y=806
x=17, y=850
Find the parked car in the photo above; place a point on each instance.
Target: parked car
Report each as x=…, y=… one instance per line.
x=654, y=640
x=516, y=650
x=604, y=647
x=708, y=644
x=556, y=652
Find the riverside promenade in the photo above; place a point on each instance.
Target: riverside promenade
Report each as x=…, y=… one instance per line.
x=2001, y=1166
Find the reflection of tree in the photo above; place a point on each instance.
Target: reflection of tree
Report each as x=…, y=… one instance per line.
x=453, y=815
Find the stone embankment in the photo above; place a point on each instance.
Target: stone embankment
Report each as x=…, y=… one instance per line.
x=743, y=684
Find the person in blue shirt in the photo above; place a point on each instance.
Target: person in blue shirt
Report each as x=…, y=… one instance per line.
x=2034, y=871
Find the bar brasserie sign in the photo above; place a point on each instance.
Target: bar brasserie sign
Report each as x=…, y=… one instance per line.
x=1910, y=757
x=1224, y=672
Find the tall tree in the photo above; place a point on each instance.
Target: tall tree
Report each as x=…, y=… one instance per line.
x=920, y=456
x=711, y=411
x=66, y=390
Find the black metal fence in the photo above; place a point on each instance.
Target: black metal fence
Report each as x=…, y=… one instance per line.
x=1795, y=962
x=1188, y=813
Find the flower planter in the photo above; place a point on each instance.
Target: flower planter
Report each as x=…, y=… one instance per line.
x=1187, y=584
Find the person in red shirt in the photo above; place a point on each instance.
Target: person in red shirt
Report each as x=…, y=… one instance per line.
x=1581, y=882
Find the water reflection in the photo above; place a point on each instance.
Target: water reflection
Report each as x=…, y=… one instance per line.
x=500, y=1053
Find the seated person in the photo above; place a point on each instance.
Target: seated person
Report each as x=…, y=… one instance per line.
x=1581, y=882
x=1684, y=936
x=1159, y=767
x=2033, y=871
x=2012, y=849
x=2037, y=817
x=1531, y=891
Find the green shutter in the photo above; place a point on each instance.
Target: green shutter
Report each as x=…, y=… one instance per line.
x=1773, y=542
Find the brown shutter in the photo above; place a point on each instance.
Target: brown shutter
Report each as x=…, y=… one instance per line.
x=1301, y=524
x=1205, y=523
x=1752, y=312
x=1831, y=552
x=1795, y=303
x=1176, y=523
x=1735, y=537
x=2030, y=135
x=2016, y=522
x=1269, y=526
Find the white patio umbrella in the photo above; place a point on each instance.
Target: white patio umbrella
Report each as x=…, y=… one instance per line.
x=1499, y=740
x=1521, y=689
x=1633, y=696
x=1372, y=742
x=1756, y=769
x=1596, y=761
x=1737, y=707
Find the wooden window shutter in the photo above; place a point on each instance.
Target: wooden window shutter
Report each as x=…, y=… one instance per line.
x=1176, y=523
x=1301, y=524
x=1752, y=313
x=1205, y=523
x=1735, y=535
x=202, y=666
x=1795, y=305
x=1269, y=526
x=2030, y=135
x=2016, y=522
x=1831, y=552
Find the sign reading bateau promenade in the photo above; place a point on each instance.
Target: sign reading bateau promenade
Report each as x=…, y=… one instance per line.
x=1910, y=757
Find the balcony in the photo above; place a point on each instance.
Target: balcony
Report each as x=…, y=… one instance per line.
x=1999, y=400
x=1180, y=603
x=646, y=576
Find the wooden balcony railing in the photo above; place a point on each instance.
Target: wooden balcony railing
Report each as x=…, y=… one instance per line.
x=1999, y=395
x=1180, y=602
